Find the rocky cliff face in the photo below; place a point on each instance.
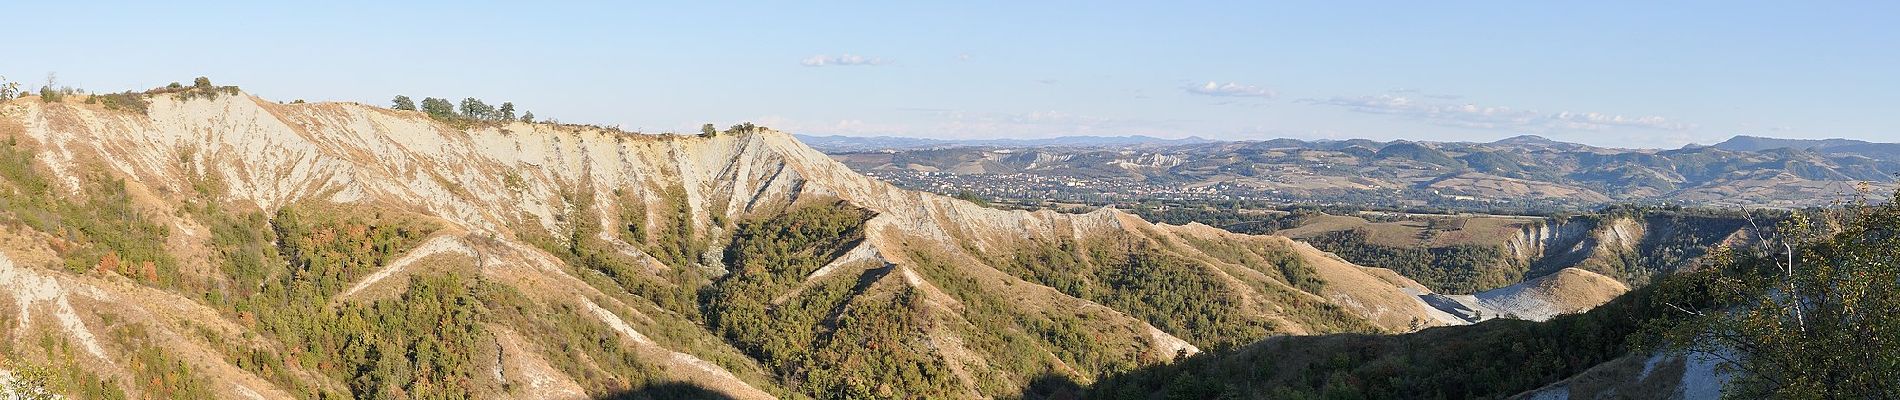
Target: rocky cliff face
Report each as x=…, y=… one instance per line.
x=1630, y=247
x=673, y=260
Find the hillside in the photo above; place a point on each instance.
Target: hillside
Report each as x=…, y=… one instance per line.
x=214, y=244
x=836, y=143
x=1805, y=320
x=1469, y=253
x=1497, y=358
x=1523, y=174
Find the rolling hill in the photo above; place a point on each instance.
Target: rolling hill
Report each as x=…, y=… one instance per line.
x=1522, y=174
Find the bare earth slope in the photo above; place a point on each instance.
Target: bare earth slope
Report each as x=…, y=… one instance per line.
x=1568, y=291
x=618, y=239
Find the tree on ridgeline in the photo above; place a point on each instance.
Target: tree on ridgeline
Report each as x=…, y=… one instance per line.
x=439, y=109
x=473, y=108
x=403, y=103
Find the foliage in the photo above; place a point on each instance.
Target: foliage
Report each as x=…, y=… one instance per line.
x=668, y=235
x=970, y=196
x=743, y=127
x=416, y=344
x=1173, y=293
x=50, y=95
x=438, y=109
x=470, y=112
x=159, y=373
x=1493, y=359
x=128, y=101
x=1813, y=318
x=1234, y=216
x=1012, y=336
x=473, y=108
x=100, y=228
x=581, y=247
x=868, y=347
x=707, y=131
x=421, y=345
x=403, y=103
x=1300, y=275
x=1834, y=344
x=201, y=87
x=1454, y=269
x=63, y=372
x=8, y=89
x=573, y=340
x=28, y=382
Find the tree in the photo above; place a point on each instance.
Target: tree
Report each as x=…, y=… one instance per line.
x=527, y=117
x=47, y=93
x=474, y=108
x=8, y=89
x=507, y=111
x=403, y=103
x=1812, y=316
x=201, y=83
x=439, y=109
x=708, y=130
x=970, y=196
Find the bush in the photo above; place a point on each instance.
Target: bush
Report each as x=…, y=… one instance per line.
x=129, y=101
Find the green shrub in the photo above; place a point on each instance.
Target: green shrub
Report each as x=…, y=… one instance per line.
x=132, y=102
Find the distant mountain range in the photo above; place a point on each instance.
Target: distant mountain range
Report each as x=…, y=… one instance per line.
x=1521, y=172
x=1882, y=151
x=874, y=143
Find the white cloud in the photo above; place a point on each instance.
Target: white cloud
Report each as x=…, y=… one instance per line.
x=822, y=60
x=1495, y=117
x=1591, y=119
x=1230, y=89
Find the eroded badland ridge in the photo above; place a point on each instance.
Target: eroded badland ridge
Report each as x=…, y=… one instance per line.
x=229, y=246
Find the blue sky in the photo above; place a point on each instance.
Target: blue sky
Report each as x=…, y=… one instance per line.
x=1632, y=74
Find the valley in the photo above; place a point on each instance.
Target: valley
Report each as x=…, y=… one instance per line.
x=1526, y=174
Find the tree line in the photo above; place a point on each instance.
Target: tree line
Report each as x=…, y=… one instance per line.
x=470, y=109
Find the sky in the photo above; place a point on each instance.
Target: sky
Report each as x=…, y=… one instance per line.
x=1608, y=73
